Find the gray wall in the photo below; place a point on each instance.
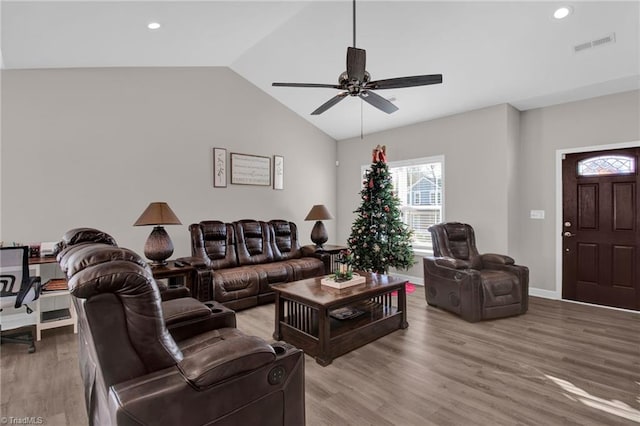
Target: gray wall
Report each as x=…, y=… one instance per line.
x=499, y=165
x=92, y=147
x=598, y=121
x=477, y=147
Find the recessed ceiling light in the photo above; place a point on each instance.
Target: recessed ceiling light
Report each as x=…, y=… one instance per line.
x=562, y=12
x=153, y=25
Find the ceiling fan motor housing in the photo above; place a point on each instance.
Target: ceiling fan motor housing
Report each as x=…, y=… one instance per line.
x=353, y=86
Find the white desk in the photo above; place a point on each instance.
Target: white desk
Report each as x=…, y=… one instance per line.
x=50, y=300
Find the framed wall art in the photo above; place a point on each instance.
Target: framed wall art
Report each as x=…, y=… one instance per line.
x=250, y=169
x=278, y=172
x=219, y=167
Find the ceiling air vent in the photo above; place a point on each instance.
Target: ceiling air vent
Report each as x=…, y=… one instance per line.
x=609, y=38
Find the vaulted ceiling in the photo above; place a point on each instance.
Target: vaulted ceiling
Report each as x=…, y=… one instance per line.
x=488, y=52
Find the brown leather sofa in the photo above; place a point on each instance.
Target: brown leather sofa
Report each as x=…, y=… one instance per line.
x=238, y=262
x=472, y=285
x=136, y=373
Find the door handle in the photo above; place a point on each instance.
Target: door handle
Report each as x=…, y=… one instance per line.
x=568, y=234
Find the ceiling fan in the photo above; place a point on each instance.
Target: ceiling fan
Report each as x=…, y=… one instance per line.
x=356, y=81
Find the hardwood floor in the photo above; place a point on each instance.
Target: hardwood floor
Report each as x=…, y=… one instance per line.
x=560, y=364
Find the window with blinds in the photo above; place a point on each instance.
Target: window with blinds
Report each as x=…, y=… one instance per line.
x=419, y=184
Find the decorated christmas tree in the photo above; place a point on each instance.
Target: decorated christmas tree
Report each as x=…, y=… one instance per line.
x=379, y=239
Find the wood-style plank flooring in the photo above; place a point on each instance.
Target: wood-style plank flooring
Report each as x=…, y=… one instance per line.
x=560, y=364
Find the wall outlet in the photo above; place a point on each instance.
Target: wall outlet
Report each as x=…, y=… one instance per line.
x=536, y=214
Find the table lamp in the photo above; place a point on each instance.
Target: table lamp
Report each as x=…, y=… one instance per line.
x=319, y=233
x=158, y=247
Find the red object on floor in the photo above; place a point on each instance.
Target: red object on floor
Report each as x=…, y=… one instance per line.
x=410, y=288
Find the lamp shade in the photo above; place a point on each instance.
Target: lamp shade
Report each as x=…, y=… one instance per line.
x=319, y=212
x=158, y=213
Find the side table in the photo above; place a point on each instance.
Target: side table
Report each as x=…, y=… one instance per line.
x=331, y=249
x=172, y=272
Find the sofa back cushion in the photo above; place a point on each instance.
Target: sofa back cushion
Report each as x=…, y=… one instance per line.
x=215, y=241
x=284, y=236
x=456, y=240
x=253, y=242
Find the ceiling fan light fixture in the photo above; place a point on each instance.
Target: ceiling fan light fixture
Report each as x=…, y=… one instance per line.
x=562, y=12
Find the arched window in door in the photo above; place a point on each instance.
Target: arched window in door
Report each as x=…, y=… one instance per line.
x=607, y=165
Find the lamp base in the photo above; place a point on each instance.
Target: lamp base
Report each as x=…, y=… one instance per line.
x=319, y=234
x=158, y=247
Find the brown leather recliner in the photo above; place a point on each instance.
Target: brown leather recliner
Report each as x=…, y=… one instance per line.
x=136, y=373
x=472, y=285
x=184, y=316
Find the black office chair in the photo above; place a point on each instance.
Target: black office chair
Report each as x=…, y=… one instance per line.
x=18, y=290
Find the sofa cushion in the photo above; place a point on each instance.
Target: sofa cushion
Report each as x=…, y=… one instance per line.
x=224, y=356
x=253, y=242
x=217, y=240
x=80, y=257
x=197, y=343
x=306, y=267
x=461, y=244
x=236, y=283
x=284, y=237
x=273, y=273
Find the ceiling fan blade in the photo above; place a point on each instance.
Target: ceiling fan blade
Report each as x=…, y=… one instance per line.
x=400, y=82
x=378, y=101
x=331, y=102
x=356, y=63
x=328, y=86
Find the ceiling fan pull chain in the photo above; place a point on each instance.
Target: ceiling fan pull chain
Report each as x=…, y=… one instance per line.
x=361, y=119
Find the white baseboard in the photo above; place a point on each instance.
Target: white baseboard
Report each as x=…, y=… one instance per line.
x=412, y=280
x=547, y=294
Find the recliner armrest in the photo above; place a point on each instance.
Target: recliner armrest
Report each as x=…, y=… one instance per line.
x=308, y=251
x=497, y=258
x=174, y=293
x=195, y=261
x=450, y=262
x=226, y=359
x=311, y=251
x=141, y=399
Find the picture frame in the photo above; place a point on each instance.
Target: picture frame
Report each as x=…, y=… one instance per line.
x=219, y=168
x=249, y=169
x=278, y=172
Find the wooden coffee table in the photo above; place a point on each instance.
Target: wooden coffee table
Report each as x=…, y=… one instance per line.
x=306, y=314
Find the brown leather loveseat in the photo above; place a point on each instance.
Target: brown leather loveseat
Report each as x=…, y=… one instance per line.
x=238, y=262
x=136, y=373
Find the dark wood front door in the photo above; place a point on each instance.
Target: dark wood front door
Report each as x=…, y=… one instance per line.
x=601, y=228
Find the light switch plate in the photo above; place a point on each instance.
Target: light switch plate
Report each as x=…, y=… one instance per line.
x=536, y=214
